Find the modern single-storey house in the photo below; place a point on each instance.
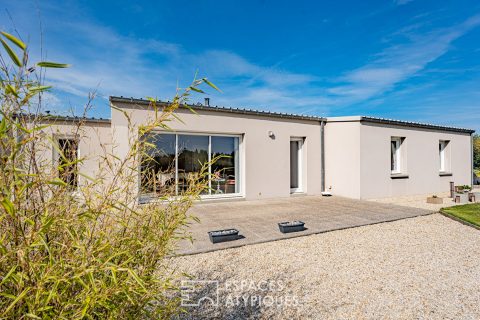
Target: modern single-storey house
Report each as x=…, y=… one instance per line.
x=277, y=155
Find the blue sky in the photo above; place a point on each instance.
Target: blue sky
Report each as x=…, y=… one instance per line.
x=404, y=59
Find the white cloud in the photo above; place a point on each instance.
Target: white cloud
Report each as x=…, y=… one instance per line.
x=398, y=63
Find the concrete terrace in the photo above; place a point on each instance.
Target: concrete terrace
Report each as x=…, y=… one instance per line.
x=257, y=220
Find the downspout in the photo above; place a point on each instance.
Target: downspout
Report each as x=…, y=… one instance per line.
x=322, y=154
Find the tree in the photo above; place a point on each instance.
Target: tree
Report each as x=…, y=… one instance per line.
x=85, y=254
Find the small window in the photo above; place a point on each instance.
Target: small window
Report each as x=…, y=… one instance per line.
x=67, y=162
x=395, y=155
x=443, y=155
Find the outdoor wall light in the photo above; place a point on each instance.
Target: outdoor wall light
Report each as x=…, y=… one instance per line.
x=271, y=134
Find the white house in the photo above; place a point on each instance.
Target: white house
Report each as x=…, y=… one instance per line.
x=278, y=155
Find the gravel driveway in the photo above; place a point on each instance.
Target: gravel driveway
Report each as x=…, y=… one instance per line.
x=423, y=267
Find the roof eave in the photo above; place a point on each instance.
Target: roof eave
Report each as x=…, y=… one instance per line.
x=415, y=124
x=44, y=117
x=224, y=109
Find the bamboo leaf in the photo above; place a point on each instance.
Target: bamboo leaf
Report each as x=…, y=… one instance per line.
x=14, y=302
x=85, y=307
x=16, y=41
x=11, y=53
x=25, y=187
x=136, y=278
x=48, y=64
x=8, y=206
x=57, y=182
x=39, y=128
x=196, y=89
x=211, y=84
x=11, y=90
x=46, y=224
x=8, y=295
x=190, y=109
x=86, y=176
x=3, y=126
x=7, y=276
x=40, y=88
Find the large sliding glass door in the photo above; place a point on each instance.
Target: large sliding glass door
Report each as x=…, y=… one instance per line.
x=175, y=160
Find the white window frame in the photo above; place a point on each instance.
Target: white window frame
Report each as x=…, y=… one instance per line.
x=55, y=155
x=238, y=166
x=397, y=155
x=443, y=155
x=300, y=188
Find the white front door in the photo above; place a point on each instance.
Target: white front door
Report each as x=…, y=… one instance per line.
x=296, y=146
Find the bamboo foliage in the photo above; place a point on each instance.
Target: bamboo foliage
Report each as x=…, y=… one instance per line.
x=93, y=252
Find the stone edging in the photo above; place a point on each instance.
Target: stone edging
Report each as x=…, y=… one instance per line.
x=445, y=214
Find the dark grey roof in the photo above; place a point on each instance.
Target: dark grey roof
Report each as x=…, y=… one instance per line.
x=415, y=124
x=50, y=117
x=269, y=114
x=226, y=109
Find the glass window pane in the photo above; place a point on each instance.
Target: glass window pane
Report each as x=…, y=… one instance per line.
x=192, y=155
x=294, y=165
x=225, y=169
x=158, y=165
x=67, y=166
x=440, y=155
x=392, y=155
x=443, y=159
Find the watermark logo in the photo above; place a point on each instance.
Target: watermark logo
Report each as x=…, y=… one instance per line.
x=244, y=293
x=196, y=292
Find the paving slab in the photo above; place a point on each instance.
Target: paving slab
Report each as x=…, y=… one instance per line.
x=257, y=219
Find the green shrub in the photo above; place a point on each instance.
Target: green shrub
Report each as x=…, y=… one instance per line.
x=94, y=253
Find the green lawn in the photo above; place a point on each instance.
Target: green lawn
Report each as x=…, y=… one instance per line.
x=467, y=212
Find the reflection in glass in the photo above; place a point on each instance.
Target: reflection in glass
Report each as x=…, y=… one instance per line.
x=224, y=169
x=67, y=162
x=158, y=166
x=393, y=151
x=192, y=155
x=172, y=162
x=294, y=164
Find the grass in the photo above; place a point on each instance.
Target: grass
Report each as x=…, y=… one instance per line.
x=468, y=212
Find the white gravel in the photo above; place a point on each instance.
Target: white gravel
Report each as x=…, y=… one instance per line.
x=419, y=201
x=424, y=267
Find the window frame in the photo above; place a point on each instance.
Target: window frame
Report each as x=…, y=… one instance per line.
x=444, y=156
x=300, y=168
x=146, y=197
x=55, y=154
x=397, y=155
